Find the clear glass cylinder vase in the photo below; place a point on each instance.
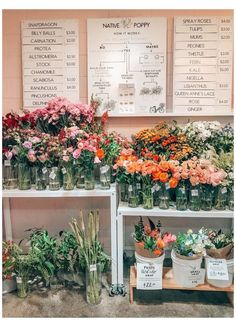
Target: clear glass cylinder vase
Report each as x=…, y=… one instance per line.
x=206, y=197
x=181, y=198
x=148, y=198
x=10, y=174
x=93, y=284
x=194, y=198
x=80, y=179
x=164, y=196
x=24, y=176
x=124, y=194
x=54, y=179
x=68, y=178
x=221, y=198
x=40, y=179
x=105, y=177
x=133, y=198
x=89, y=180
x=231, y=200
x=22, y=286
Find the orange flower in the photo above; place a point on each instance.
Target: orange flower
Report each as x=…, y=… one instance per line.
x=100, y=153
x=157, y=252
x=163, y=177
x=160, y=244
x=173, y=182
x=141, y=244
x=164, y=165
x=156, y=175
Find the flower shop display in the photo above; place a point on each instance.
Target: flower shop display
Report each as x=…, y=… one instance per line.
x=220, y=246
x=9, y=253
x=91, y=253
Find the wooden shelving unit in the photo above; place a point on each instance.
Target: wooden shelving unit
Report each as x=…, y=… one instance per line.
x=169, y=283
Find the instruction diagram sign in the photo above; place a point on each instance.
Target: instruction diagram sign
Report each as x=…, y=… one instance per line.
x=203, y=52
x=50, y=61
x=127, y=65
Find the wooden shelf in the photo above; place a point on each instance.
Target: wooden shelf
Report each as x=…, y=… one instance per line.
x=169, y=283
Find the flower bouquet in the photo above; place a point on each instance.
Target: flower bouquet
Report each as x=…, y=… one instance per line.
x=9, y=253
x=220, y=245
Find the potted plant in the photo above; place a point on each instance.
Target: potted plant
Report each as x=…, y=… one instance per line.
x=91, y=253
x=9, y=252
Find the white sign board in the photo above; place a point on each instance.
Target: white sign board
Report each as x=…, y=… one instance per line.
x=127, y=65
x=149, y=276
x=217, y=269
x=203, y=52
x=50, y=61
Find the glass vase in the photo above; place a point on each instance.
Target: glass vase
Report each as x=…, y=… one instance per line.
x=68, y=178
x=97, y=172
x=24, y=176
x=148, y=198
x=10, y=173
x=40, y=179
x=22, y=286
x=133, y=199
x=124, y=195
x=164, y=196
x=105, y=177
x=181, y=198
x=206, y=197
x=54, y=179
x=113, y=176
x=89, y=180
x=93, y=284
x=139, y=192
x=156, y=196
x=221, y=198
x=194, y=198
x=231, y=200
x=80, y=180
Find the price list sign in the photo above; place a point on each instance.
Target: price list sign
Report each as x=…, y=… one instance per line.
x=203, y=52
x=50, y=61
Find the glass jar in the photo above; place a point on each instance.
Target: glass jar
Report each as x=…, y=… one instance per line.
x=139, y=192
x=24, y=176
x=68, y=178
x=156, y=198
x=113, y=176
x=133, y=200
x=40, y=178
x=22, y=286
x=93, y=284
x=206, y=197
x=89, y=180
x=164, y=196
x=148, y=198
x=221, y=198
x=105, y=177
x=97, y=172
x=10, y=172
x=124, y=195
x=54, y=179
x=231, y=200
x=80, y=180
x=194, y=198
x=181, y=198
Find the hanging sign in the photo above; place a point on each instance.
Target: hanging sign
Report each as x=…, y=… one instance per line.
x=203, y=52
x=50, y=61
x=217, y=269
x=149, y=276
x=127, y=65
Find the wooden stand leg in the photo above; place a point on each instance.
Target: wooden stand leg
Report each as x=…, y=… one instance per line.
x=230, y=296
x=131, y=294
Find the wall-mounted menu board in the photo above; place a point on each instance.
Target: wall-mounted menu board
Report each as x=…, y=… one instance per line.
x=50, y=60
x=127, y=65
x=203, y=52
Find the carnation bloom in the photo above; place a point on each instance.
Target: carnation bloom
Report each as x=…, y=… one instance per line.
x=76, y=153
x=66, y=158
x=27, y=145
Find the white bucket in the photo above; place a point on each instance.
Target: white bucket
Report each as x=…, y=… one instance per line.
x=8, y=285
x=181, y=269
x=157, y=260
x=222, y=283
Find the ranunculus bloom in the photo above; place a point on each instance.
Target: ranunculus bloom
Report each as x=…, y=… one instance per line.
x=66, y=158
x=42, y=158
x=8, y=155
x=27, y=145
x=163, y=177
x=76, y=153
x=173, y=182
x=164, y=165
x=100, y=153
x=156, y=175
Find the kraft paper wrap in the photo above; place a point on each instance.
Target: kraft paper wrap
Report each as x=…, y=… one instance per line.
x=224, y=253
x=144, y=252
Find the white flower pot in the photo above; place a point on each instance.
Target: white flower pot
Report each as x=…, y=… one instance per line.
x=8, y=285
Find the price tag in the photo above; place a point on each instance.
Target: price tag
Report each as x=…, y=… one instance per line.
x=153, y=189
x=63, y=170
x=196, y=277
x=224, y=190
x=44, y=170
x=104, y=169
x=52, y=175
x=130, y=188
x=149, y=276
x=217, y=269
x=7, y=163
x=158, y=187
x=93, y=267
x=167, y=186
x=194, y=192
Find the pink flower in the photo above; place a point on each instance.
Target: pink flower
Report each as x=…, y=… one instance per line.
x=76, y=153
x=66, y=158
x=80, y=145
x=70, y=149
x=31, y=156
x=217, y=177
x=42, y=158
x=169, y=238
x=27, y=145
x=194, y=180
x=96, y=160
x=8, y=155
x=35, y=139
